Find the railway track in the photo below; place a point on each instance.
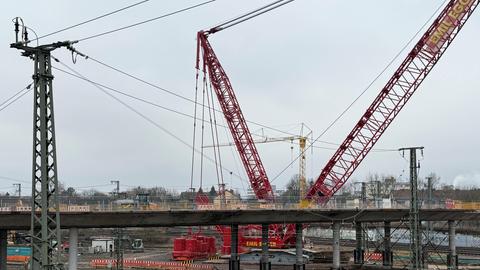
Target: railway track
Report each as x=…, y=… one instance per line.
x=470, y=251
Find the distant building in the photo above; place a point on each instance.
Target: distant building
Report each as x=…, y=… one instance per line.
x=251, y=193
x=231, y=200
x=102, y=245
x=402, y=185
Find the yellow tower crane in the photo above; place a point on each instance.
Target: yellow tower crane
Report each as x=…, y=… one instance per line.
x=302, y=142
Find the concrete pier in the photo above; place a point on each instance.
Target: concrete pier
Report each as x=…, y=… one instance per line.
x=336, y=245
x=73, y=249
x=264, y=263
x=3, y=249
x=387, y=245
x=452, y=258
x=234, y=263
x=358, y=257
x=299, y=265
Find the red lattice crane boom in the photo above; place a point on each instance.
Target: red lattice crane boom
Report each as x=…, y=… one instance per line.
x=234, y=117
x=396, y=93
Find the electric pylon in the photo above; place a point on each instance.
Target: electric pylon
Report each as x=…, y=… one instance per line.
x=415, y=225
x=45, y=217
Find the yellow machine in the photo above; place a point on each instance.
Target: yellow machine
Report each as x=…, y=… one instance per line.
x=467, y=205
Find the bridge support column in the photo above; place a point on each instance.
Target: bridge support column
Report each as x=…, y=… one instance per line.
x=452, y=258
x=299, y=265
x=336, y=245
x=234, y=263
x=3, y=249
x=264, y=263
x=73, y=249
x=358, y=256
x=387, y=245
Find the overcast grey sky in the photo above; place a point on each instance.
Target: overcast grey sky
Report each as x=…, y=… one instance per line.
x=304, y=62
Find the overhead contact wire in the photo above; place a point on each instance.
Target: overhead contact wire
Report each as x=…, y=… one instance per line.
x=146, y=21
x=196, y=102
x=90, y=20
x=182, y=113
x=143, y=116
x=9, y=101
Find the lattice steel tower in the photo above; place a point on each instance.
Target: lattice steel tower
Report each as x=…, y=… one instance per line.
x=415, y=223
x=45, y=218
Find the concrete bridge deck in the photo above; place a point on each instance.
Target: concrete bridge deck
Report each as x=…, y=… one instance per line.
x=21, y=220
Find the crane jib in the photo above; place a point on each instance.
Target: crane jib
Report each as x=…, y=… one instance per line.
x=396, y=93
x=448, y=23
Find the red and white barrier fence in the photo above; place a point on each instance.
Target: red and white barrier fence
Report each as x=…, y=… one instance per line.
x=110, y=263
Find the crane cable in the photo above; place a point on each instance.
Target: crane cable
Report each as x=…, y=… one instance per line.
x=213, y=135
x=248, y=16
x=192, y=169
x=192, y=116
x=134, y=77
x=88, y=57
x=203, y=130
x=144, y=100
x=221, y=179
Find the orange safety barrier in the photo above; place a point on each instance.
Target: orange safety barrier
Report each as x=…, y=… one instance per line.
x=18, y=258
x=104, y=263
x=373, y=256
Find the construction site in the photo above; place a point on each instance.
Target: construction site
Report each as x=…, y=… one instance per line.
x=176, y=178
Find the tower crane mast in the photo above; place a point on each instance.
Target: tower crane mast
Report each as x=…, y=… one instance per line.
x=302, y=142
x=391, y=99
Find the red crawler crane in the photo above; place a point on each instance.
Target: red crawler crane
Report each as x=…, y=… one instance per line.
x=369, y=128
x=208, y=62
x=391, y=99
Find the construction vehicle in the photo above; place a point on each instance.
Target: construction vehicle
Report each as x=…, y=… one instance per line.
x=142, y=202
x=136, y=245
x=368, y=130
